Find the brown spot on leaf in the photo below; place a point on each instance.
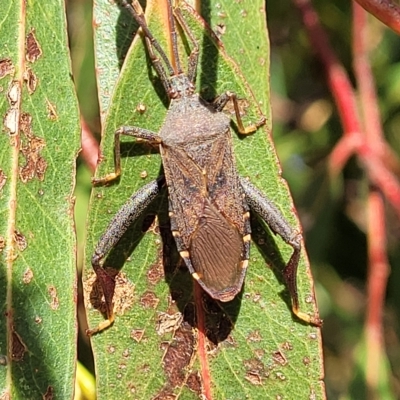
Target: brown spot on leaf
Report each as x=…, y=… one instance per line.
x=28, y=276
x=259, y=353
x=38, y=320
x=51, y=111
x=49, y=395
x=141, y=108
x=32, y=47
x=31, y=147
x=3, y=179
x=256, y=297
x=137, y=334
x=14, y=94
x=168, y=322
x=122, y=293
x=256, y=371
x=143, y=174
x=20, y=241
x=155, y=273
x=111, y=349
x=179, y=355
x=287, y=346
x=132, y=388
x=6, y=67
x=280, y=375
x=177, y=360
x=253, y=378
x=149, y=299
x=312, y=336
x=254, y=336
x=35, y=164
x=165, y=394
x=193, y=382
x=279, y=357
x=54, y=303
x=25, y=124
x=2, y=243
x=125, y=353
x=145, y=368
x=18, y=347
x=5, y=396
x=306, y=361
x=30, y=80
x=309, y=299
x=10, y=121
x=122, y=366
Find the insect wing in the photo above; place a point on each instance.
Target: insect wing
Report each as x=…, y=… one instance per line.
x=208, y=208
x=216, y=252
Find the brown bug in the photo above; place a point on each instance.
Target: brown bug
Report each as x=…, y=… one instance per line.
x=209, y=203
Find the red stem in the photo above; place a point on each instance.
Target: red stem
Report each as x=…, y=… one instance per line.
x=202, y=350
x=378, y=272
x=378, y=267
x=90, y=147
x=344, y=96
x=386, y=11
x=338, y=80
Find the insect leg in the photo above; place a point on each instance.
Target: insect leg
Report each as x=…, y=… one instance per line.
x=278, y=224
x=138, y=133
x=221, y=101
x=125, y=217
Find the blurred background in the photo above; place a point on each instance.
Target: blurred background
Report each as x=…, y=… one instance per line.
x=332, y=211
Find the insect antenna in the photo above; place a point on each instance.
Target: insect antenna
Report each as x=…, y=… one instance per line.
x=174, y=39
x=164, y=71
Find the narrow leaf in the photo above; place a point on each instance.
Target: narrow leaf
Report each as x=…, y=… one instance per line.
x=38, y=145
x=255, y=347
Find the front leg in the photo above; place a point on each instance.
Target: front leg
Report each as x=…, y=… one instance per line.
x=278, y=224
x=125, y=217
x=220, y=102
x=138, y=133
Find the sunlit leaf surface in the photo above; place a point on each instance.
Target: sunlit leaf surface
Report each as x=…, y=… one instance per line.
x=38, y=146
x=256, y=347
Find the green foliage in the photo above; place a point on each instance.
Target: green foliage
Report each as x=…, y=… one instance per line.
x=38, y=145
x=268, y=353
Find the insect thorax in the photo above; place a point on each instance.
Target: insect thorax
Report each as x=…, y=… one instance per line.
x=190, y=119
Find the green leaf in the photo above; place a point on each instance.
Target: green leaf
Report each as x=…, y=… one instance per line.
x=257, y=348
x=39, y=141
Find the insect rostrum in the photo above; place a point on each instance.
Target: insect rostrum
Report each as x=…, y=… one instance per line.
x=209, y=203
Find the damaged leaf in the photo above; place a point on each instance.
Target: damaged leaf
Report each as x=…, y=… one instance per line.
x=254, y=346
x=37, y=168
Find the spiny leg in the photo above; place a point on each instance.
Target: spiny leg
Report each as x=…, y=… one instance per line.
x=138, y=133
x=221, y=101
x=125, y=217
x=278, y=224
